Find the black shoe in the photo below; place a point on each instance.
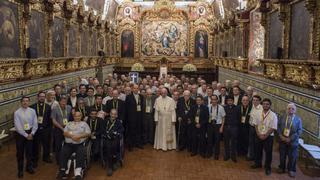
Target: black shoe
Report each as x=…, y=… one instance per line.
x=61, y=175
x=49, y=161
x=116, y=166
x=226, y=158
x=130, y=149
x=140, y=146
x=280, y=171
x=234, y=160
x=35, y=165
x=78, y=177
x=20, y=174
x=109, y=172
x=256, y=166
x=30, y=171
x=268, y=172
x=193, y=154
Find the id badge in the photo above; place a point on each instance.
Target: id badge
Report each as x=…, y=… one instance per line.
x=148, y=109
x=40, y=119
x=138, y=108
x=243, y=119
x=26, y=126
x=65, y=121
x=197, y=119
x=262, y=128
x=286, y=132
x=210, y=118
x=186, y=112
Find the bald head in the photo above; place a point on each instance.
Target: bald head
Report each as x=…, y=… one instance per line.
x=135, y=89
x=164, y=92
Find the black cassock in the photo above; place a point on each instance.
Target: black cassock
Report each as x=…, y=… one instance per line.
x=133, y=120
x=184, y=111
x=116, y=104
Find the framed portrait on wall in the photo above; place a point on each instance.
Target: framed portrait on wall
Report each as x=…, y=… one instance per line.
x=37, y=33
x=58, y=37
x=9, y=30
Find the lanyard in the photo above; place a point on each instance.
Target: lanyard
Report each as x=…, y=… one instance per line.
x=43, y=110
x=198, y=110
x=84, y=110
x=264, y=116
x=290, y=122
x=108, y=129
x=148, y=102
x=217, y=110
x=95, y=124
x=187, y=105
x=246, y=111
x=100, y=107
x=115, y=105
x=64, y=115
x=91, y=101
x=28, y=116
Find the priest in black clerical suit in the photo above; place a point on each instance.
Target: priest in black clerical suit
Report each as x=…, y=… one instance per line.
x=184, y=124
x=199, y=126
x=134, y=114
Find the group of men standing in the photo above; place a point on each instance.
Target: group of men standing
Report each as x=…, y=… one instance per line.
x=170, y=113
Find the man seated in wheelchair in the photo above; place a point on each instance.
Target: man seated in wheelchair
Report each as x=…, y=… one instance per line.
x=94, y=123
x=112, y=132
x=76, y=133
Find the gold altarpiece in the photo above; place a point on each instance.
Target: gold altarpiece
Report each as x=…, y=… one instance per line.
x=181, y=23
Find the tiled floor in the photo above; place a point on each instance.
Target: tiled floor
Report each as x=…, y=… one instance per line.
x=157, y=165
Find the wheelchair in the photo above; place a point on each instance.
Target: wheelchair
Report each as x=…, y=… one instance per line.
x=120, y=155
x=72, y=160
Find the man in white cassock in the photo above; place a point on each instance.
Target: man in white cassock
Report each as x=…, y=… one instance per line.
x=165, y=118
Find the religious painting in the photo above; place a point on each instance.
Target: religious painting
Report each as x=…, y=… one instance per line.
x=256, y=42
x=201, y=45
x=94, y=44
x=275, y=32
x=9, y=30
x=165, y=38
x=299, y=39
x=127, y=44
x=84, y=42
x=37, y=33
x=73, y=41
x=58, y=37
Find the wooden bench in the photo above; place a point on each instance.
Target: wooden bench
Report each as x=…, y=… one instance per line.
x=311, y=153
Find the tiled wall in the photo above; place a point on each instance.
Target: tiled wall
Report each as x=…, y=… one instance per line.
x=307, y=100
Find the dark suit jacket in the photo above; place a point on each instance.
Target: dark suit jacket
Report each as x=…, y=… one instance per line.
x=95, y=128
x=153, y=100
x=132, y=115
x=47, y=122
x=121, y=108
x=204, y=115
x=220, y=98
x=182, y=108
